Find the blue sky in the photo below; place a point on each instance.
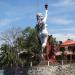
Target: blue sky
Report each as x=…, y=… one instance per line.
x=22, y=13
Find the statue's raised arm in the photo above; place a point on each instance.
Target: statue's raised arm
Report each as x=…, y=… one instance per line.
x=46, y=13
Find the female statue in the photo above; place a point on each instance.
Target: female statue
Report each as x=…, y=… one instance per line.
x=41, y=27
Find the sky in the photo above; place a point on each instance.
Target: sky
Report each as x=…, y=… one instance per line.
x=22, y=13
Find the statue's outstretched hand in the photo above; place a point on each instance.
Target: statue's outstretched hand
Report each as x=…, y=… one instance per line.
x=46, y=6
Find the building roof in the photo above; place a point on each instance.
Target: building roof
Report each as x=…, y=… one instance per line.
x=68, y=43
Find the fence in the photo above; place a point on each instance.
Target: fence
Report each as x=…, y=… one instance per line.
x=57, y=62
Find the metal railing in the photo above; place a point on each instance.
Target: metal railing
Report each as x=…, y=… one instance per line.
x=57, y=62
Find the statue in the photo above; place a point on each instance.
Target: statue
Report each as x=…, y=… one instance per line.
x=41, y=28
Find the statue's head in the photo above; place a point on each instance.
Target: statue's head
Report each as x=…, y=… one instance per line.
x=39, y=16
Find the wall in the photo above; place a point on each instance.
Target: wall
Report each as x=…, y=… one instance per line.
x=44, y=70
x=1, y=72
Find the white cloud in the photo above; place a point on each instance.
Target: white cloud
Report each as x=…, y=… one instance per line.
x=17, y=11
x=64, y=29
x=64, y=3
x=61, y=21
x=63, y=37
x=7, y=21
x=65, y=8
